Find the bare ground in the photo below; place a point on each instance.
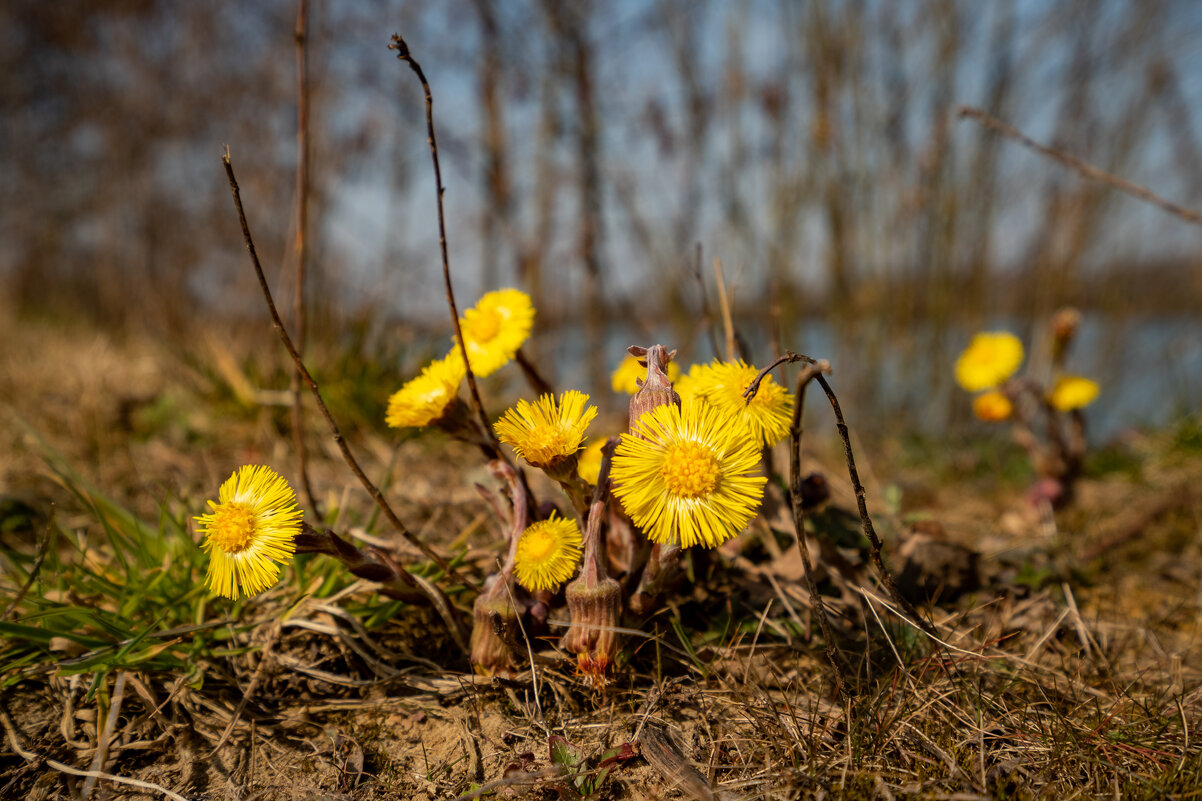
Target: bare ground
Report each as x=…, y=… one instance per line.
x=1073, y=670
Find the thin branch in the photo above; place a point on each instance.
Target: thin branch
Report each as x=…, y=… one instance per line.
x=1088, y=170
x=797, y=502
x=788, y=358
x=861, y=502
x=534, y=378
x=302, y=224
x=398, y=44
x=300, y=367
x=862, y=505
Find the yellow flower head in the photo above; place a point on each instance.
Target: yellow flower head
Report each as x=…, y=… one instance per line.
x=992, y=407
x=630, y=372
x=546, y=433
x=685, y=478
x=1073, y=392
x=251, y=527
x=988, y=360
x=425, y=398
x=721, y=384
x=547, y=554
x=589, y=465
x=494, y=329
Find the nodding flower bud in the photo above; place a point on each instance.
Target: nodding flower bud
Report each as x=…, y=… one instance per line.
x=656, y=389
x=494, y=620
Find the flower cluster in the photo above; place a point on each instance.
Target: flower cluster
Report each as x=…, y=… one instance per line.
x=493, y=332
x=988, y=367
x=686, y=472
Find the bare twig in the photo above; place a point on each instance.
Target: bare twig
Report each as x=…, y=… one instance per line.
x=1088, y=170
x=534, y=378
x=807, y=374
x=398, y=44
x=788, y=358
x=302, y=224
x=862, y=505
x=345, y=449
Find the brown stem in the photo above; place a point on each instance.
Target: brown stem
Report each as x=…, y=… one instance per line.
x=797, y=503
x=302, y=224
x=865, y=520
x=533, y=377
x=378, y=566
x=345, y=449
x=398, y=44
x=788, y=358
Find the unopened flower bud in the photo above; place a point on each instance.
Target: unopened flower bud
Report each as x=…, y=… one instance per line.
x=494, y=618
x=594, y=609
x=656, y=390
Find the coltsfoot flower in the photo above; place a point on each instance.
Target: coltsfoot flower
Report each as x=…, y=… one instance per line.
x=494, y=329
x=684, y=475
x=992, y=407
x=631, y=372
x=989, y=360
x=426, y=398
x=548, y=434
x=1073, y=392
x=547, y=553
x=721, y=384
x=252, y=526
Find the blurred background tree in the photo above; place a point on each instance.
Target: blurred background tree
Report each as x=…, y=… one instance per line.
x=600, y=155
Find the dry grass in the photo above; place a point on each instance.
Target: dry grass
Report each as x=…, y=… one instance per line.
x=1072, y=673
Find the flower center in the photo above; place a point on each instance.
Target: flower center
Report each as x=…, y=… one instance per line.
x=483, y=325
x=233, y=527
x=690, y=470
x=539, y=544
x=544, y=443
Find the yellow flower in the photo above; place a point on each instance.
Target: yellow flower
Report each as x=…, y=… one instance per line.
x=992, y=407
x=589, y=465
x=685, y=479
x=721, y=384
x=547, y=554
x=251, y=527
x=988, y=360
x=546, y=433
x=1073, y=392
x=494, y=329
x=624, y=378
x=424, y=399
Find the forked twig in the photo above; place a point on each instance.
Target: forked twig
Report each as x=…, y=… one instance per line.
x=1088, y=170
x=807, y=374
x=343, y=447
x=857, y=487
x=398, y=44
x=862, y=505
